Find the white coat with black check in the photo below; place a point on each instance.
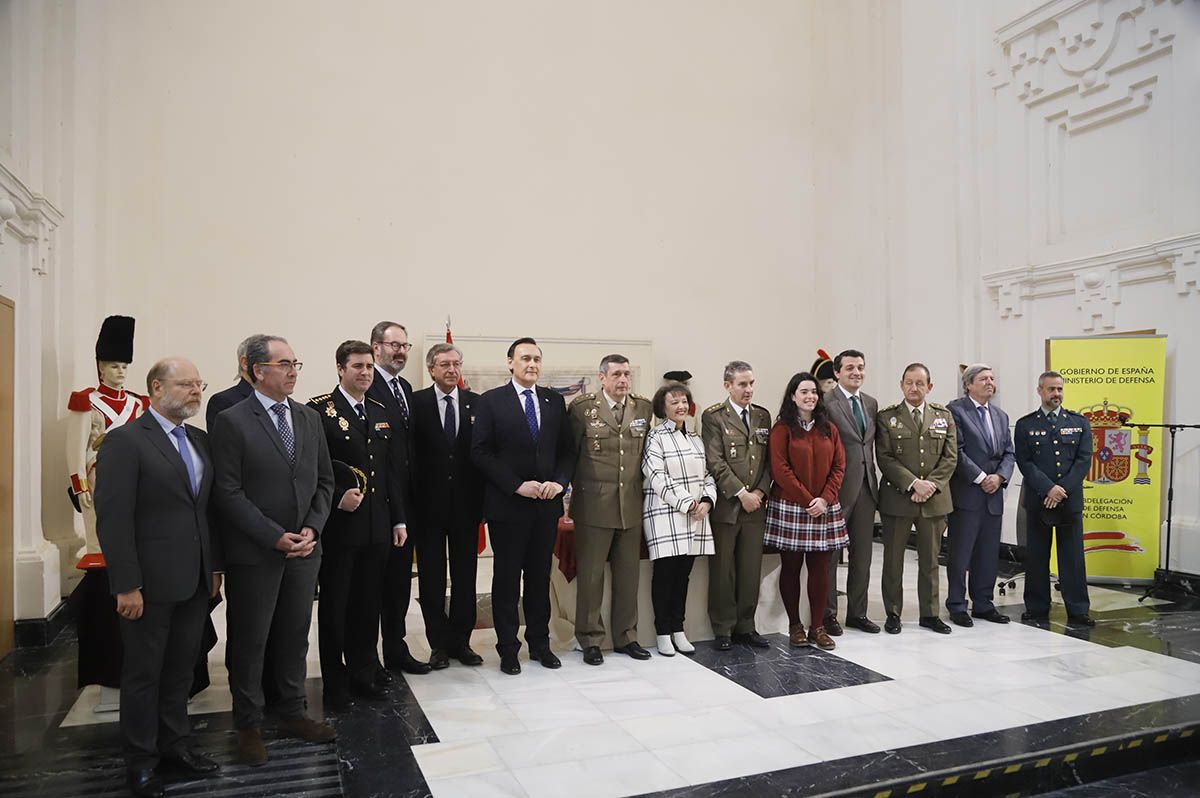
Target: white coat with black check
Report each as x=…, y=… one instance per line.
x=676, y=476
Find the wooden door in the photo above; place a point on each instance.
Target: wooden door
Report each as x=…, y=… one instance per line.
x=7, y=575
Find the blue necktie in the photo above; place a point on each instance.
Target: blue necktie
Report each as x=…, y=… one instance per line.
x=185, y=453
x=983, y=423
x=530, y=414
x=285, y=430
x=449, y=423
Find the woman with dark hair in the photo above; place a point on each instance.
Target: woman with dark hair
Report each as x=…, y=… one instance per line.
x=678, y=494
x=804, y=518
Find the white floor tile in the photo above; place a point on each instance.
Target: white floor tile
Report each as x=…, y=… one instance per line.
x=711, y=760
x=664, y=731
x=622, y=774
x=533, y=749
x=500, y=784
x=471, y=718
x=449, y=760
x=951, y=719
x=851, y=736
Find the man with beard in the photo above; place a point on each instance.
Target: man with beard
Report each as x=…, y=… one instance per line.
x=152, y=521
x=390, y=346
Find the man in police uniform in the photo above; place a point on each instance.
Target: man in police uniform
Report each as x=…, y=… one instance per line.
x=608, y=428
x=735, y=434
x=367, y=520
x=916, y=446
x=1054, y=452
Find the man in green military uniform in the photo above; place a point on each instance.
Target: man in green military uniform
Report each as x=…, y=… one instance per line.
x=609, y=429
x=735, y=434
x=916, y=446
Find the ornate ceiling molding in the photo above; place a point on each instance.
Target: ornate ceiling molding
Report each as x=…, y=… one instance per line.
x=28, y=218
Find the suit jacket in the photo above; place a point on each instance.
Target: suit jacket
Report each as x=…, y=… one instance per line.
x=381, y=392
x=860, y=448
x=1050, y=454
x=504, y=450
x=261, y=492
x=223, y=400
x=373, y=450
x=977, y=456
x=906, y=453
x=447, y=486
x=153, y=531
x=737, y=459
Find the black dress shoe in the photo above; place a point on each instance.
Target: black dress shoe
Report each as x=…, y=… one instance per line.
x=994, y=615
x=546, y=657
x=383, y=676
x=892, y=625
x=723, y=643
x=438, y=660
x=592, y=655
x=863, y=624
x=959, y=619
x=832, y=627
x=468, y=657
x=752, y=639
x=633, y=650
x=509, y=664
x=409, y=664
x=144, y=783
x=936, y=624
x=1035, y=616
x=1080, y=620
x=368, y=690
x=191, y=761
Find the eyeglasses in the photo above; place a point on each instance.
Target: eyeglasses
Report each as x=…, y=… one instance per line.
x=191, y=384
x=396, y=346
x=286, y=365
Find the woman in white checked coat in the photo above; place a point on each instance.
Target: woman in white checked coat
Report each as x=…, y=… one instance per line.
x=679, y=493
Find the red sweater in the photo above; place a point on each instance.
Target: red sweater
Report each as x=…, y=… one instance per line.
x=806, y=465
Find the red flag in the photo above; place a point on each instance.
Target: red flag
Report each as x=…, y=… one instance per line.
x=462, y=386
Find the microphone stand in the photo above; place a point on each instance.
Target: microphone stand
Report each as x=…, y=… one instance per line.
x=1161, y=574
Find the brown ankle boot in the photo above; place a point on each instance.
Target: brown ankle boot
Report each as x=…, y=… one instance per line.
x=307, y=729
x=821, y=639
x=251, y=750
x=796, y=635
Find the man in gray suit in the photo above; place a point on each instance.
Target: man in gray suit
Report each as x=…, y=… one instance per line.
x=985, y=465
x=152, y=521
x=274, y=485
x=853, y=412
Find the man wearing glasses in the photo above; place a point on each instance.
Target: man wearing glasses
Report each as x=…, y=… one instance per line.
x=274, y=484
x=390, y=346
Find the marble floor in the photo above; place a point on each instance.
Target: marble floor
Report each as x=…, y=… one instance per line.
x=872, y=716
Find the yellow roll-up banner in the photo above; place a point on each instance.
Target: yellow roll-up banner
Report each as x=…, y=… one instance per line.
x=1115, y=383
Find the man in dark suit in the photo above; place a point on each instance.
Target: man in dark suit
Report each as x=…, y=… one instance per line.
x=274, y=482
x=368, y=520
x=522, y=444
x=389, y=344
x=448, y=506
x=1053, y=449
x=853, y=412
x=152, y=521
x=985, y=466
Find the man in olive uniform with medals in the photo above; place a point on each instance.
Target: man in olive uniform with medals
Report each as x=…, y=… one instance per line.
x=367, y=519
x=609, y=428
x=735, y=434
x=916, y=446
x=1054, y=452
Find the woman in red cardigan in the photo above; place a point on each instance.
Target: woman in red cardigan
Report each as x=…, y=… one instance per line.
x=804, y=519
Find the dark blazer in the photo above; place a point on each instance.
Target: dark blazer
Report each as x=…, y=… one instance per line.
x=860, y=449
x=1053, y=454
x=223, y=400
x=371, y=448
x=381, y=392
x=504, y=450
x=153, y=532
x=447, y=486
x=976, y=457
x=260, y=492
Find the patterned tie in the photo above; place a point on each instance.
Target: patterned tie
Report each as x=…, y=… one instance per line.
x=918, y=419
x=983, y=423
x=186, y=454
x=399, y=394
x=285, y=430
x=530, y=414
x=859, y=419
x=449, y=424
x=746, y=419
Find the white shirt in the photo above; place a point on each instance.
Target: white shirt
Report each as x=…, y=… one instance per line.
x=611, y=402
x=737, y=411
x=991, y=432
x=847, y=394
x=267, y=402
x=168, y=425
x=354, y=401
x=537, y=406
x=441, y=405
x=398, y=389
x=910, y=409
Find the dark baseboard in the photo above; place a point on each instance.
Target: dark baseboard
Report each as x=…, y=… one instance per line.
x=34, y=632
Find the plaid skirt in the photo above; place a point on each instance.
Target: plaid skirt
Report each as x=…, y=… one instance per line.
x=791, y=528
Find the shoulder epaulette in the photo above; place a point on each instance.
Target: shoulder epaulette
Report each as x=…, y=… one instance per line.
x=583, y=397
x=322, y=398
x=712, y=408
x=890, y=407
x=760, y=407
x=80, y=401
x=936, y=406
x=376, y=401
x=640, y=398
